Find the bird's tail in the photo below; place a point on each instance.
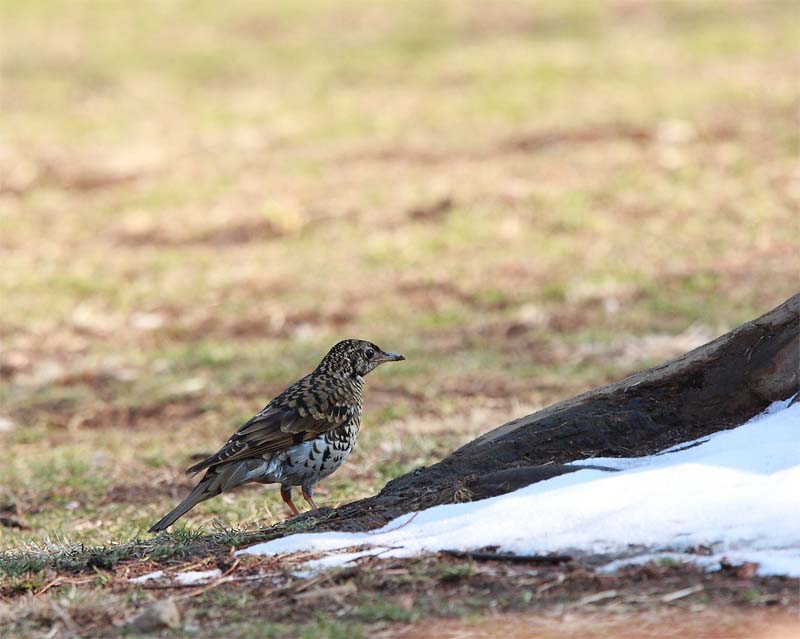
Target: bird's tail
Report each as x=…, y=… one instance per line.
x=215, y=481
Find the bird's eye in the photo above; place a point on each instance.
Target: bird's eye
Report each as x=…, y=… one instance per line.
x=370, y=353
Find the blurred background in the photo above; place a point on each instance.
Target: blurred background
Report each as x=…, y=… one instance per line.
x=527, y=199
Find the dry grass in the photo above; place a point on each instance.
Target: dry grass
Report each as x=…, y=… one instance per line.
x=526, y=199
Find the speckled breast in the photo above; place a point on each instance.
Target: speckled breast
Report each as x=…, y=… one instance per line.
x=307, y=463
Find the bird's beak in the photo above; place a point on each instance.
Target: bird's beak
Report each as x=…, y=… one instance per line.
x=392, y=357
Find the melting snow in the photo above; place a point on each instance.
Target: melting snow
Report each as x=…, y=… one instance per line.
x=147, y=577
x=737, y=492
x=187, y=578
x=197, y=576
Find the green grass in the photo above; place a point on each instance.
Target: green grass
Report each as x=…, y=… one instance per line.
x=376, y=609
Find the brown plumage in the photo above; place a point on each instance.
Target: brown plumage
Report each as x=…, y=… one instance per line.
x=300, y=437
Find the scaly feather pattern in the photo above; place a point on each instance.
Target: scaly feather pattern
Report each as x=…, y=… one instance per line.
x=300, y=437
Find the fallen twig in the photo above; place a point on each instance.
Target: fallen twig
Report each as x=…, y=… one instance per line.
x=60, y=580
x=517, y=559
x=398, y=527
x=223, y=578
x=174, y=585
x=680, y=594
x=550, y=584
x=598, y=596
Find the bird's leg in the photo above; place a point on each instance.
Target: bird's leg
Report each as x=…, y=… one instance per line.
x=286, y=495
x=307, y=492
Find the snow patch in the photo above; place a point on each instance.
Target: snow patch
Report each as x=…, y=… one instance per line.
x=191, y=577
x=773, y=562
x=734, y=491
x=186, y=578
x=150, y=575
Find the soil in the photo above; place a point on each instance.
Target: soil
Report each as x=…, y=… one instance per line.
x=673, y=623
x=440, y=596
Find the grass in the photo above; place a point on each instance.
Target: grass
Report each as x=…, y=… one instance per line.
x=197, y=201
x=59, y=556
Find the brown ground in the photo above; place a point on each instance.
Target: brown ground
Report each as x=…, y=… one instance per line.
x=197, y=199
x=444, y=597
x=669, y=623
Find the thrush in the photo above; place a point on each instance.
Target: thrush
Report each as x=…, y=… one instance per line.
x=299, y=438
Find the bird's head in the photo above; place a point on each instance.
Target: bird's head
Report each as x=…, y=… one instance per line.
x=352, y=357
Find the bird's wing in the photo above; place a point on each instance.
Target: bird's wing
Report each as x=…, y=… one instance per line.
x=302, y=412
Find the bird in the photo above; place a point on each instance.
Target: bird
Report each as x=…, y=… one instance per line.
x=300, y=437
